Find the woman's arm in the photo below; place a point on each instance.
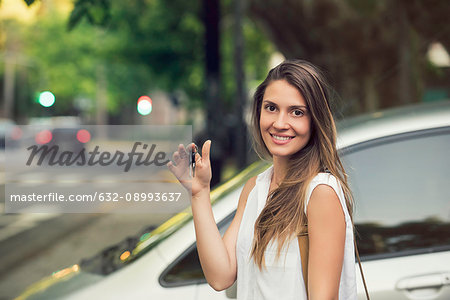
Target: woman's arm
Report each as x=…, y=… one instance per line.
x=326, y=229
x=217, y=255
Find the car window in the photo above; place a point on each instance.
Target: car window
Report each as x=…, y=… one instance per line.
x=401, y=190
x=186, y=268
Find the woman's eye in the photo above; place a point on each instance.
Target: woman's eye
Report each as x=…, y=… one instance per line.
x=298, y=113
x=270, y=107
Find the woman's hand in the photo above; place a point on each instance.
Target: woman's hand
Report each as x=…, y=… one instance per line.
x=181, y=168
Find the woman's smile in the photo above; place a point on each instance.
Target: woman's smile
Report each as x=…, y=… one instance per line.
x=281, y=139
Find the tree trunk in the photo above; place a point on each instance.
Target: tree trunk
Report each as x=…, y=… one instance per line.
x=215, y=125
x=241, y=95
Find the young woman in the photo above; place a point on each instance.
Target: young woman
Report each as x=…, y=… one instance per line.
x=294, y=128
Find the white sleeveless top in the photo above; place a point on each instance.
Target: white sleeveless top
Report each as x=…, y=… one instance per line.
x=282, y=278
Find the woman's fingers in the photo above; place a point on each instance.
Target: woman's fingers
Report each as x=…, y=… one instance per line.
x=180, y=166
x=176, y=158
x=171, y=167
x=192, y=147
x=182, y=152
x=204, y=158
x=180, y=156
x=198, y=159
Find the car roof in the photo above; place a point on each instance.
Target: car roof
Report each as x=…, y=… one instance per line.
x=393, y=121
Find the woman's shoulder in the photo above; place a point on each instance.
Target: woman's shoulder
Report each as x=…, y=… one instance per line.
x=250, y=184
x=261, y=178
x=324, y=178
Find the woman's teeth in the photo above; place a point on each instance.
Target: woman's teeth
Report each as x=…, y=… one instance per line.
x=281, y=138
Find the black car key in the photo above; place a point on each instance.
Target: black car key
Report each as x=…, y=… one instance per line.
x=193, y=152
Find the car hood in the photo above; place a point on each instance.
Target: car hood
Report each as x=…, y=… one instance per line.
x=60, y=283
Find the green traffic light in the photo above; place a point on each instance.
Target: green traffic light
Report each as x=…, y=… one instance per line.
x=46, y=99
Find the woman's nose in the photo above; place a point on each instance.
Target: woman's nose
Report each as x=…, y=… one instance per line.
x=281, y=122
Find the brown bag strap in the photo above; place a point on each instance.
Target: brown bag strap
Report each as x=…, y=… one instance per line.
x=303, y=245
x=361, y=270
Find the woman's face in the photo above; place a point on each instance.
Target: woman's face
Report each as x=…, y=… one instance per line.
x=285, y=121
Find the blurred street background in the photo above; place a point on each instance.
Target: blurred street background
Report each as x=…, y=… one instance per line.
x=173, y=62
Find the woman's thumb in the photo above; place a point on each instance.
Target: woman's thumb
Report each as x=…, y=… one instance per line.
x=206, y=149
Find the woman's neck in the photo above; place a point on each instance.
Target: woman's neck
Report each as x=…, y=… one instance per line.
x=280, y=165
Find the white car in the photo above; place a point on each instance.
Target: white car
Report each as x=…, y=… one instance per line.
x=398, y=162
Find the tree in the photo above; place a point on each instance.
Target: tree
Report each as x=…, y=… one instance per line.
x=137, y=46
x=374, y=50
x=174, y=49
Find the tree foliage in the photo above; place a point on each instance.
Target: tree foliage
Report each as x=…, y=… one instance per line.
x=95, y=11
x=142, y=45
x=374, y=50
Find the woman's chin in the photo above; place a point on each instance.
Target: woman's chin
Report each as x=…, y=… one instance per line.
x=281, y=154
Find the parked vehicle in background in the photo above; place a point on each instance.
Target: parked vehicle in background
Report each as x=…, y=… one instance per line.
x=62, y=131
x=398, y=164
x=9, y=130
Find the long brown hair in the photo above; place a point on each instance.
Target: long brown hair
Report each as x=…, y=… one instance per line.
x=283, y=216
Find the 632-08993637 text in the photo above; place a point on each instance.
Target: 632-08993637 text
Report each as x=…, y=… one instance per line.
x=102, y=197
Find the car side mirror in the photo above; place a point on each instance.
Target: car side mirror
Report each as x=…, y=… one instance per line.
x=231, y=292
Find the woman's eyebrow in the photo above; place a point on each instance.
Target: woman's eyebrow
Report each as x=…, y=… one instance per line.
x=268, y=102
x=290, y=107
x=298, y=106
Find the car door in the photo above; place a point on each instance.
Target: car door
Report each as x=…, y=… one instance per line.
x=401, y=187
